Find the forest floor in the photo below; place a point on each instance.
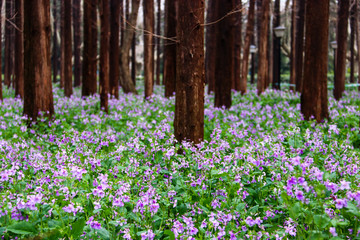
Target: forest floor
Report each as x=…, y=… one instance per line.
x=261, y=173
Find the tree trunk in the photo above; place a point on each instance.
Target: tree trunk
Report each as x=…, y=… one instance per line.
x=224, y=63
x=8, y=30
x=353, y=17
x=299, y=44
x=343, y=15
x=314, y=100
x=190, y=79
x=148, y=8
x=77, y=42
x=19, y=49
x=104, y=54
x=125, y=77
x=170, y=48
x=358, y=42
x=248, y=38
x=89, y=81
x=62, y=43
x=210, y=44
x=263, y=45
x=1, y=95
x=158, y=42
x=133, y=59
x=37, y=63
x=237, y=50
x=114, y=48
x=55, y=50
x=68, y=50
x=276, y=47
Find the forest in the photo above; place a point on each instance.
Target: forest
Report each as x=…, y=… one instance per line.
x=179, y=119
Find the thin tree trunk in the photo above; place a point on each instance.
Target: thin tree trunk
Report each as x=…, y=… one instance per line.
x=122, y=21
x=77, y=42
x=12, y=46
x=224, y=66
x=299, y=44
x=148, y=8
x=293, y=46
x=170, y=48
x=8, y=30
x=19, y=49
x=263, y=44
x=37, y=62
x=68, y=50
x=62, y=43
x=358, y=42
x=55, y=50
x=190, y=80
x=158, y=41
x=248, y=38
x=125, y=77
x=133, y=59
x=210, y=43
x=353, y=12
x=1, y=95
x=314, y=100
x=343, y=15
x=104, y=54
x=238, y=43
x=276, y=46
x=114, y=48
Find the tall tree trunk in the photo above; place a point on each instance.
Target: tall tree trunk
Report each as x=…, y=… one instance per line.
x=263, y=45
x=62, y=43
x=89, y=81
x=148, y=47
x=299, y=44
x=210, y=45
x=133, y=59
x=68, y=50
x=170, y=48
x=314, y=100
x=276, y=46
x=37, y=63
x=114, y=48
x=77, y=41
x=122, y=21
x=293, y=46
x=358, y=42
x=104, y=54
x=353, y=12
x=190, y=79
x=12, y=45
x=1, y=95
x=8, y=30
x=343, y=15
x=19, y=49
x=237, y=50
x=125, y=77
x=224, y=66
x=248, y=39
x=55, y=50
x=158, y=42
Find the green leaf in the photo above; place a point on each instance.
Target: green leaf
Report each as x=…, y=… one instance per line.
x=22, y=228
x=240, y=207
x=170, y=234
x=77, y=228
x=103, y=234
x=295, y=210
x=2, y=229
x=321, y=221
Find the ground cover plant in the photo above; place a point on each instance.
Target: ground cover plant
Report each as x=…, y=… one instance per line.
x=261, y=173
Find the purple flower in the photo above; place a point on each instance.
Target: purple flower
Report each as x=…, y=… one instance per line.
x=299, y=195
x=340, y=203
x=148, y=235
x=93, y=224
x=344, y=185
x=333, y=231
x=249, y=221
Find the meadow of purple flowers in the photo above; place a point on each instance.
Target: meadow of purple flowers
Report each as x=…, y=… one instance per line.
x=261, y=173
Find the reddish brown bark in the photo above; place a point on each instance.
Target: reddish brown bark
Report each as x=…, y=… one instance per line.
x=77, y=41
x=246, y=51
x=343, y=15
x=19, y=49
x=299, y=44
x=8, y=45
x=314, y=95
x=263, y=47
x=237, y=50
x=170, y=48
x=37, y=63
x=1, y=95
x=133, y=59
x=353, y=17
x=148, y=7
x=62, y=43
x=55, y=50
x=68, y=51
x=293, y=45
x=276, y=47
x=210, y=43
x=190, y=79
x=224, y=63
x=114, y=48
x=104, y=54
x=158, y=42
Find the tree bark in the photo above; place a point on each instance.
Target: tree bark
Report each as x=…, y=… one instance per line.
x=125, y=77
x=8, y=31
x=299, y=44
x=1, y=95
x=55, y=50
x=158, y=42
x=37, y=63
x=148, y=8
x=133, y=59
x=62, y=43
x=170, y=48
x=343, y=15
x=248, y=39
x=68, y=50
x=190, y=80
x=19, y=48
x=210, y=43
x=263, y=46
x=104, y=54
x=89, y=81
x=276, y=46
x=77, y=42
x=114, y=48
x=224, y=63
x=314, y=100
x=237, y=50
x=353, y=17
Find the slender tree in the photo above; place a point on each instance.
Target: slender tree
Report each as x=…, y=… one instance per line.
x=238, y=43
x=343, y=15
x=133, y=59
x=158, y=42
x=68, y=50
x=1, y=95
x=276, y=46
x=170, y=47
x=248, y=38
x=89, y=83
x=114, y=48
x=8, y=45
x=293, y=46
x=190, y=79
x=104, y=54
x=263, y=47
x=224, y=66
x=353, y=17
x=148, y=8
x=314, y=94
x=37, y=62
x=19, y=48
x=62, y=43
x=55, y=50
x=299, y=44
x=77, y=41
x=210, y=43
